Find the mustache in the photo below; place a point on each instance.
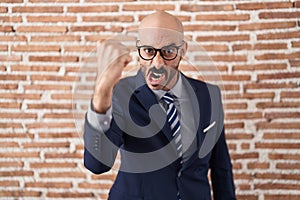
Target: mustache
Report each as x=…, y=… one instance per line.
x=161, y=70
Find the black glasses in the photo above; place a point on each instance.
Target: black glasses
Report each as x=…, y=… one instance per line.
x=167, y=52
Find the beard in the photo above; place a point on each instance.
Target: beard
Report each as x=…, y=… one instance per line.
x=162, y=78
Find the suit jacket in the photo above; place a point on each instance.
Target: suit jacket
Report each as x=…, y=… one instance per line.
x=149, y=170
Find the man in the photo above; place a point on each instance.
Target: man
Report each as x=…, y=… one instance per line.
x=168, y=127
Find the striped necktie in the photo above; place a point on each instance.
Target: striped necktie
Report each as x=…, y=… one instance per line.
x=173, y=121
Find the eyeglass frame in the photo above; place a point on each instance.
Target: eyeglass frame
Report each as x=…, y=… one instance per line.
x=177, y=47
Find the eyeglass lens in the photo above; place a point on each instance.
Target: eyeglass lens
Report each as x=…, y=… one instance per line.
x=168, y=52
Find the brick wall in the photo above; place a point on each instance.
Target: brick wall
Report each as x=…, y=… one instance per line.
x=45, y=50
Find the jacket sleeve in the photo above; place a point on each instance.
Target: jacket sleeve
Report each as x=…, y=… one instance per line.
x=101, y=145
x=220, y=164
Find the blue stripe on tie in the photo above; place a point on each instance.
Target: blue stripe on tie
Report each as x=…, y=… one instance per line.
x=173, y=122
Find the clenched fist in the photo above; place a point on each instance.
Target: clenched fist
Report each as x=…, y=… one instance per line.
x=112, y=58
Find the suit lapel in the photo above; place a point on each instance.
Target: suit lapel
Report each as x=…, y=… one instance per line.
x=143, y=91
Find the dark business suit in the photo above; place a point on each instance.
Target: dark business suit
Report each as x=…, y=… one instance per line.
x=190, y=178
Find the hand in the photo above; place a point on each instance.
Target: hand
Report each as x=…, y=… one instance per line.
x=112, y=58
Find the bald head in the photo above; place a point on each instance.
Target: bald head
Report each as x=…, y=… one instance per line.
x=162, y=19
x=160, y=29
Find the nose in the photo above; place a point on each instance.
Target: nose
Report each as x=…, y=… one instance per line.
x=158, y=61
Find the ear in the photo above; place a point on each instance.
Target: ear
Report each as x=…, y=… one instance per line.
x=184, y=49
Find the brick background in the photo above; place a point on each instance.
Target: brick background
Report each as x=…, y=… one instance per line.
x=47, y=71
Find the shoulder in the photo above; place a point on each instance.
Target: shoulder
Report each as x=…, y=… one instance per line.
x=198, y=84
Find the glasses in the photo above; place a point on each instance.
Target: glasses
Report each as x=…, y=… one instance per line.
x=168, y=53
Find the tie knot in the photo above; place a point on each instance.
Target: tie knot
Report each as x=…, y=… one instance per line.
x=168, y=98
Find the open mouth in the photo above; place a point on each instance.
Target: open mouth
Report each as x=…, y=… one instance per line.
x=157, y=76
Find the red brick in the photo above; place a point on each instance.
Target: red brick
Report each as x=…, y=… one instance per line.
x=204, y=8
x=290, y=94
x=66, y=174
x=281, y=15
x=264, y=5
x=242, y=176
x=49, y=125
x=10, y=58
x=278, y=125
x=240, y=47
x=58, y=38
x=33, y=68
x=295, y=44
x=9, y=184
x=277, y=186
x=54, y=19
x=9, y=144
x=281, y=35
x=10, y=104
x=290, y=136
x=53, y=78
x=37, y=9
x=49, y=106
x=277, y=56
x=79, y=195
x=38, y=48
x=14, y=19
x=237, y=156
x=48, y=185
x=222, y=17
x=283, y=156
x=87, y=28
x=258, y=165
x=13, y=77
x=14, y=173
x=243, y=115
x=54, y=1
x=281, y=196
x=3, y=47
x=256, y=67
x=53, y=58
x=262, y=26
x=13, y=38
x=278, y=76
x=275, y=176
x=48, y=87
x=46, y=145
x=234, y=125
x=8, y=164
x=239, y=136
x=288, y=166
x=18, y=115
x=20, y=96
x=88, y=9
x=15, y=135
x=194, y=27
x=47, y=165
x=269, y=46
x=3, y=9
x=264, y=105
x=43, y=29
x=276, y=145
x=94, y=185
x=64, y=115
x=137, y=7
x=121, y=18
x=279, y=115
x=20, y=193
x=270, y=86
x=59, y=135
x=225, y=38
x=63, y=155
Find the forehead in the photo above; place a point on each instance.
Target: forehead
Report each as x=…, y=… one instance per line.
x=159, y=37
